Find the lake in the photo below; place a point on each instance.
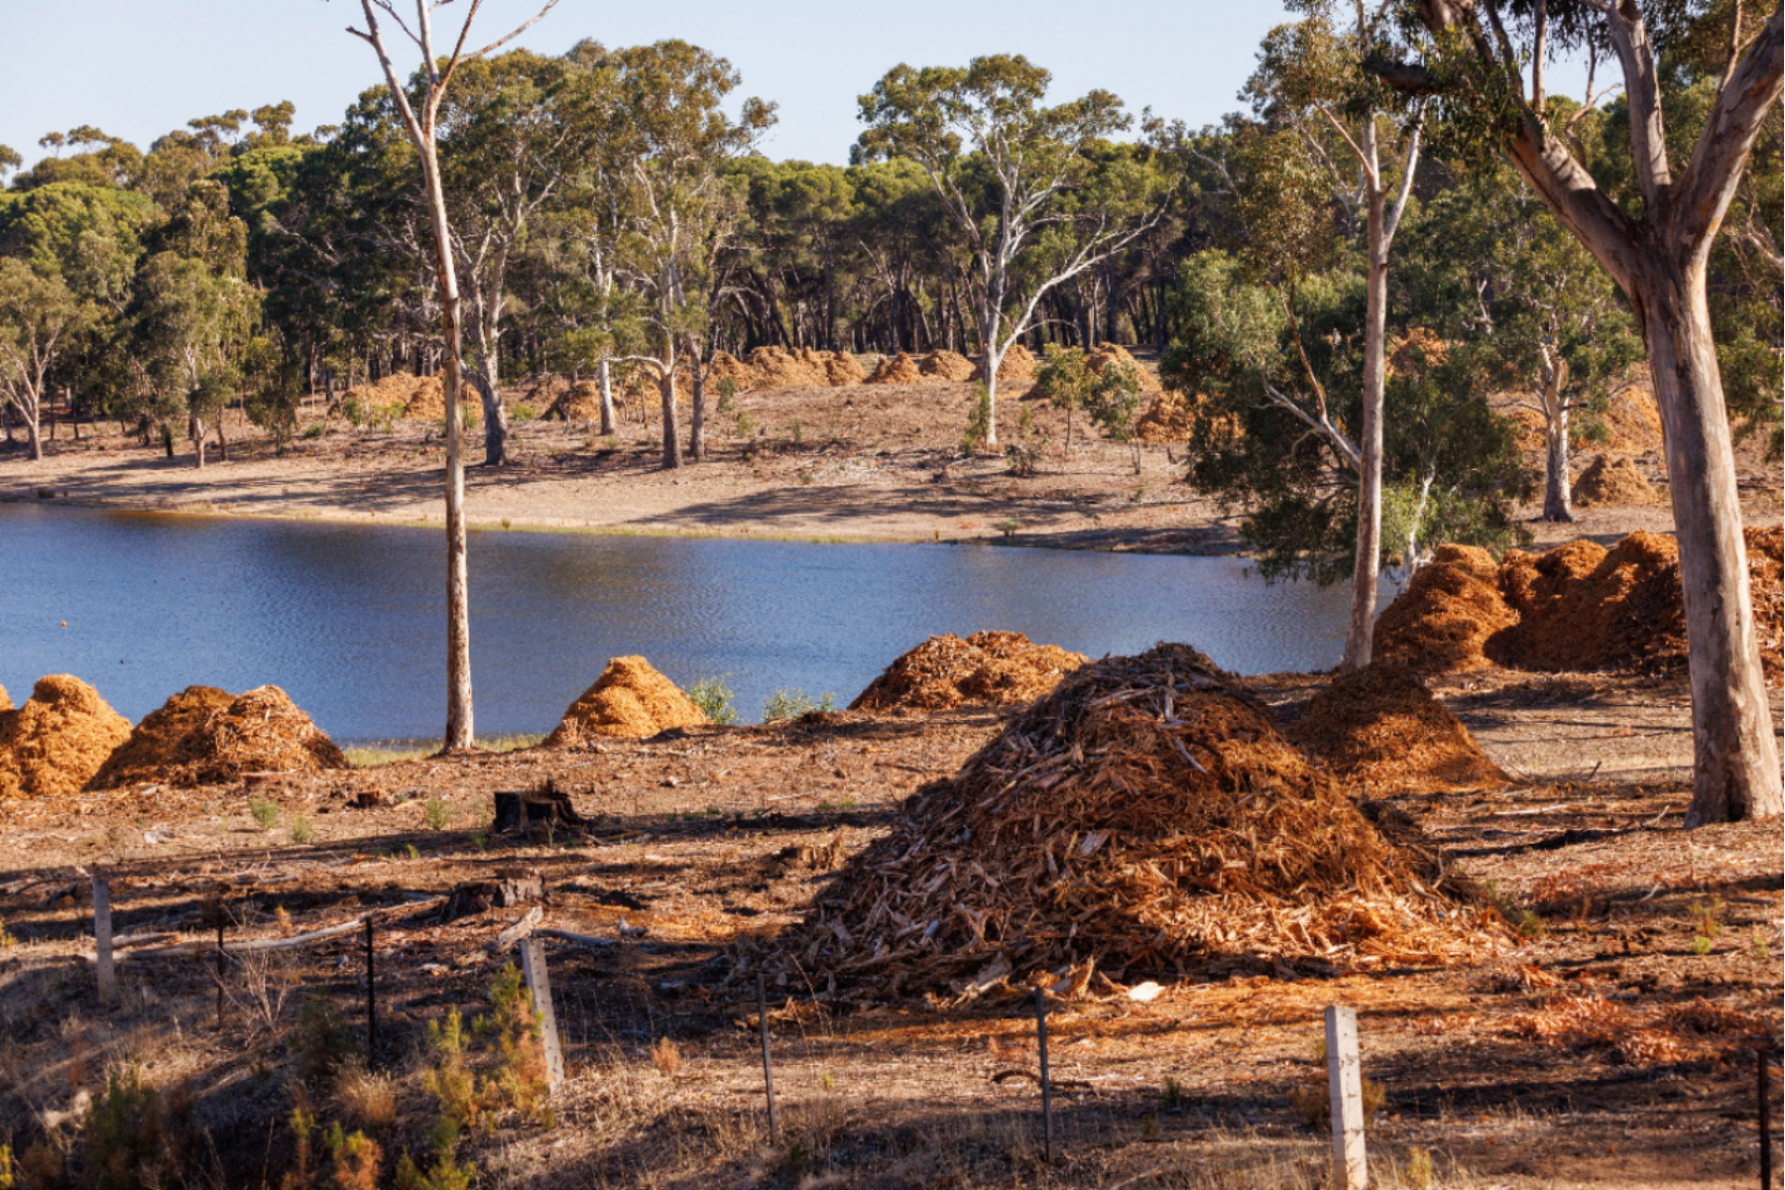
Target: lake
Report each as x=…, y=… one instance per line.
x=348, y=619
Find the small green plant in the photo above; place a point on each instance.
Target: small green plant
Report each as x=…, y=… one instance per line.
x=746, y=426
x=1761, y=950
x=437, y=813
x=356, y=1158
x=355, y=411
x=7, y=940
x=714, y=698
x=1420, y=1171
x=126, y=1139
x=727, y=388
x=524, y=413
x=826, y=1081
x=806, y=477
x=1173, y=1096
x=264, y=812
x=1529, y=925
x=322, y=1044
x=1706, y=915
x=1149, y=1126
x=797, y=433
x=480, y=839
x=315, y=430
x=979, y=421
x=1009, y=526
x=792, y=702
x=1701, y=945
x=384, y=418
x=302, y=831
x=411, y=851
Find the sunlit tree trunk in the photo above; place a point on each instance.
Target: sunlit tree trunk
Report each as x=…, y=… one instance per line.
x=1558, y=492
x=604, y=380
x=1367, y=562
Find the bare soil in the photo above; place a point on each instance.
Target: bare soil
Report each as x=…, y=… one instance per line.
x=857, y=462
x=703, y=836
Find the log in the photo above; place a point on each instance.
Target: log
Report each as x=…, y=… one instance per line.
x=507, y=891
x=518, y=930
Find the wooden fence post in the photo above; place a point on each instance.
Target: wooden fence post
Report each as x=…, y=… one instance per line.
x=371, y=1001
x=540, y=984
x=768, y=1076
x=102, y=938
x=1344, y=1075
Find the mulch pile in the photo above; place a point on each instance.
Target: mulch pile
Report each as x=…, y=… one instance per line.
x=1173, y=417
x=1579, y=607
x=630, y=699
x=1017, y=366
x=1108, y=353
x=577, y=402
x=427, y=400
x=52, y=746
x=947, y=365
x=895, y=369
x=986, y=669
x=1612, y=480
x=5, y=700
x=776, y=367
x=729, y=367
x=843, y=369
x=1380, y=729
x=1144, y=818
x=206, y=736
x=1633, y=420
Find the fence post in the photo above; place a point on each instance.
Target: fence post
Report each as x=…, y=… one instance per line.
x=102, y=938
x=1047, y=1091
x=1344, y=1075
x=768, y=1075
x=221, y=917
x=371, y=1002
x=540, y=984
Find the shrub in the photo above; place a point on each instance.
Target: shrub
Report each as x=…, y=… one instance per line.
x=355, y=411
x=437, y=813
x=714, y=698
x=316, y=430
x=356, y=1158
x=126, y=1143
x=791, y=703
x=303, y=831
x=322, y=1045
x=524, y=413
x=264, y=812
x=979, y=421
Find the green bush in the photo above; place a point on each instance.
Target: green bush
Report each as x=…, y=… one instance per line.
x=714, y=698
x=126, y=1142
x=524, y=413
x=264, y=812
x=791, y=703
x=316, y=430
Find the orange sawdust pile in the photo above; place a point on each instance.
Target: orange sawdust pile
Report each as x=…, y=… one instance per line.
x=1443, y=620
x=578, y=402
x=165, y=738
x=1612, y=480
x=1017, y=366
x=52, y=746
x=776, y=367
x=895, y=369
x=5, y=700
x=427, y=401
x=1577, y=607
x=726, y=366
x=946, y=365
x=843, y=369
x=1632, y=419
x=1146, y=817
x=986, y=669
x=1380, y=730
x=203, y=736
x=1105, y=354
x=630, y=699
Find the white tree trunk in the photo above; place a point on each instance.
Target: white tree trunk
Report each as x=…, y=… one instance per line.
x=1558, y=492
x=672, y=432
x=1367, y=562
x=1736, y=758
x=604, y=377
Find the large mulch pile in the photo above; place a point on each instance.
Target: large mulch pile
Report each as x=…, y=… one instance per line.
x=895, y=369
x=987, y=669
x=52, y=746
x=1144, y=818
x=630, y=699
x=427, y=400
x=1579, y=607
x=205, y=736
x=5, y=700
x=843, y=369
x=163, y=739
x=1633, y=420
x=1017, y=366
x=776, y=367
x=946, y=365
x=1612, y=480
x=1380, y=729
x=726, y=366
x=1442, y=622
x=1173, y=417
x=577, y=402
x=1105, y=354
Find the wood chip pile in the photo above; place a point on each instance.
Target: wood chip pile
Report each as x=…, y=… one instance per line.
x=1017, y=366
x=574, y=402
x=947, y=365
x=1579, y=607
x=205, y=736
x=1106, y=354
x=1145, y=818
x=1612, y=480
x=52, y=746
x=986, y=669
x=630, y=699
x=1381, y=731
x=895, y=369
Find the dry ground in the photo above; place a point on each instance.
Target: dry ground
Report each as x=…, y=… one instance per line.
x=715, y=833
x=864, y=462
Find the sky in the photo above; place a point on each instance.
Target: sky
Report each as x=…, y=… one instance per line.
x=138, y=68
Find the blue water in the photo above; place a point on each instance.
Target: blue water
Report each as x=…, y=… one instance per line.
x=349, y=619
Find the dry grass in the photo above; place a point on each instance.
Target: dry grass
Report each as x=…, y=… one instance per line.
x=367, y=1099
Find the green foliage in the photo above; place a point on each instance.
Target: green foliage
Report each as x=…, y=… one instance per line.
x=303, y=831
x=792, y=702
x=356, y=1159
x=322, y=1044
x=497, y=1063
x=714, y=698
x=126, y=1143
x=979, y=421
x=437, y=813
x=264, y=811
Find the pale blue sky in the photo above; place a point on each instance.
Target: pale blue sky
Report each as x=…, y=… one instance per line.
x=137, y=68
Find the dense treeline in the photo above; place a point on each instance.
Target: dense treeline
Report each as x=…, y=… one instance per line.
x=606, y=207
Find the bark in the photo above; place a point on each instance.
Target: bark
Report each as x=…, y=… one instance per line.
x=1558, y=493
x=1736, y=758
x=605, y=380
x=697, y=422
x=1367, y=561
x=495, y=415
x=672, y=442
x=33, y=438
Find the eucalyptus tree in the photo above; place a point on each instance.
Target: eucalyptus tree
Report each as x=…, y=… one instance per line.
x=1006, y=167
x=1491, y=66
x=682, y=208
x=421, y=120
x=38, y=317
x=1313, y=78
x=510, y=137
x=1487, y=263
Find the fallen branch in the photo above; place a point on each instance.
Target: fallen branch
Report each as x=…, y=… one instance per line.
x=518, y=930
x=577, y=939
